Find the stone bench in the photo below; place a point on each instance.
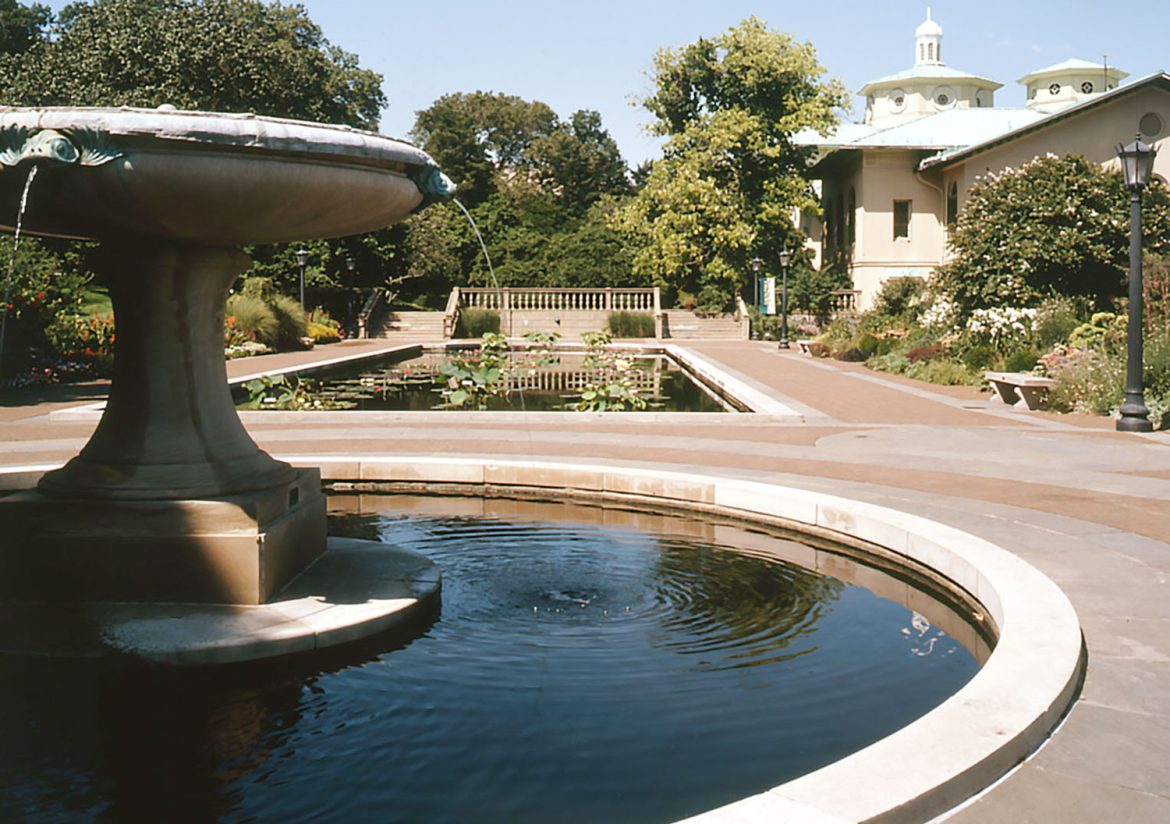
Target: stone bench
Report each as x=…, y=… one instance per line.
x=1019, y=388
x=813, y=348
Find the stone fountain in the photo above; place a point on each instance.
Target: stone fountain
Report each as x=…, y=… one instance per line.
x=171, y=500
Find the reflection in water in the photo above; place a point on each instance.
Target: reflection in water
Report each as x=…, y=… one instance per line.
x=576, y=673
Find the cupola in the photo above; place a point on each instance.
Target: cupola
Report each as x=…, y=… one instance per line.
x=928, y=43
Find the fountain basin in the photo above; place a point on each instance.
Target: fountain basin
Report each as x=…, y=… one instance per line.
x=205, y=179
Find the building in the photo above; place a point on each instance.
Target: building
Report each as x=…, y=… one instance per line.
x=893, y=185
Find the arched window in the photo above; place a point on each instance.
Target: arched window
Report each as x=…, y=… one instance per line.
x=952, y=203
x=930, y=51
x=921, y=52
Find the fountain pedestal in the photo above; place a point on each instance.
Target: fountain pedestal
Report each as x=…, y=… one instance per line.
x=171, y=499
x=171, y=504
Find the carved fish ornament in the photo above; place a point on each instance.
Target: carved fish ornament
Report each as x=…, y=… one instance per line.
x=80, y=147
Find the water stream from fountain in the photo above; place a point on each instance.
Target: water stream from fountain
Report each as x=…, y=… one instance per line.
x=499, y=292
x=4, y=306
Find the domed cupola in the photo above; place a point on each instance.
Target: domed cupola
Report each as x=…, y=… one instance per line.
x=927, y=88
x=928, y=43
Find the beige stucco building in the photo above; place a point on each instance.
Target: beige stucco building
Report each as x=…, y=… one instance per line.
x=892, y=185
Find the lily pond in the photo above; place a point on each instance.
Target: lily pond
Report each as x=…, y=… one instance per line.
x=521, y=382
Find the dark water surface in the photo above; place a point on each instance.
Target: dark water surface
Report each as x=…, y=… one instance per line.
x=576, y=672
x=389, y=385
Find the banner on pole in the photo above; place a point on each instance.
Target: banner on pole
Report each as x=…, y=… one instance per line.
x=769, y=296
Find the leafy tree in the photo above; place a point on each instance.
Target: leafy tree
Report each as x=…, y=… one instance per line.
x=1056, y=225
x=532, y=184
x=218, y=55
x=21, y=26
x=731, y=174
x=474, y=136
x=580, y=163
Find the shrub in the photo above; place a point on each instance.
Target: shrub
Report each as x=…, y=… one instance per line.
x=253, y=318
x=475, y=323
x=868, y=345
x=1055, y=320
x=852, y=355
x=979, y=356
x=1102, y=329
x=630, y=325
x=1023, y=360
x=930, y=352
x=900, y=297
x=320, y=333
x=291, y=323
x=944, y=372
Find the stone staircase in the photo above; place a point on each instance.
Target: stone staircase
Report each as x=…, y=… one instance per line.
x=413, y=327
x=683, y=325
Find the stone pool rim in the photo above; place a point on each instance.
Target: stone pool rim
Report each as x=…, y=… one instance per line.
x=761, y=405
x=993, y=723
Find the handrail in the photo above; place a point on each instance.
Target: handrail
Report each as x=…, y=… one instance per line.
x=844, y=300
x=368, y=308
x=451, y=313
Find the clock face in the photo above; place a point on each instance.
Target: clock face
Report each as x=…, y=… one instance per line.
x=1087, y=87
x=1054, y=88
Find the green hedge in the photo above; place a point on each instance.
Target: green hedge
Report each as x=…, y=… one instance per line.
x=475, y=323
x=630, y=325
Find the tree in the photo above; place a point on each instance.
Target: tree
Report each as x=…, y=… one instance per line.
x=474, y=136
x=580, y=163
x=217, y=55
x=1056, y=225
x=21, y=26
x=730, y=175
x=531, y=183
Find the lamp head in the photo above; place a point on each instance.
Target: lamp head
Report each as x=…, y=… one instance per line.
x=785, y=257
x=1137, y=163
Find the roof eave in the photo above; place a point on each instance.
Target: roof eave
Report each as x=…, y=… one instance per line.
x=1160, y=78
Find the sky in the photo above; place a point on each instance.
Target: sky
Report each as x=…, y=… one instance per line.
x=597, y=55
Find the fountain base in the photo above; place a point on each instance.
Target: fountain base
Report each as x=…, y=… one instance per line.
x=236, y=549
x=356, y=590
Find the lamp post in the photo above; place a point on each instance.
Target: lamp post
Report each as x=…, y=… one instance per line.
x=784, y=259
x=756, y=292
x=302, y=256
x=1137, y=162
x=351, y=265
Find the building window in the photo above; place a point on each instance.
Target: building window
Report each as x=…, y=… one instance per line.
x=952, y=203
x=902, y=218
x=930, y=51
x=1150, y=125
x=851, y=231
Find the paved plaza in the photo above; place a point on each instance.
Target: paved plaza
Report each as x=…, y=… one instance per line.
x=1084, y=504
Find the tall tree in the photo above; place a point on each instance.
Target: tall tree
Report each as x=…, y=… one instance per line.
x=218, y=55
x=731, y=174
x=580, y=162
x=21, y=26
x=474, y=136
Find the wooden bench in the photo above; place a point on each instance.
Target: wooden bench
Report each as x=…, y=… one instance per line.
x=813, y=348
x=1019, y=388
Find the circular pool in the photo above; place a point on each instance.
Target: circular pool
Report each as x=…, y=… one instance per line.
x=585, y=665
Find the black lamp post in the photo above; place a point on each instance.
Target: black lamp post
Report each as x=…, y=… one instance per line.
x=756, y=282
x=351, y=265
x=302, y=256
x=784, y=258
x=1137, y=162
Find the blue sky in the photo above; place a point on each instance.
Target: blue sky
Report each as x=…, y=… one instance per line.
x=596, y=55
